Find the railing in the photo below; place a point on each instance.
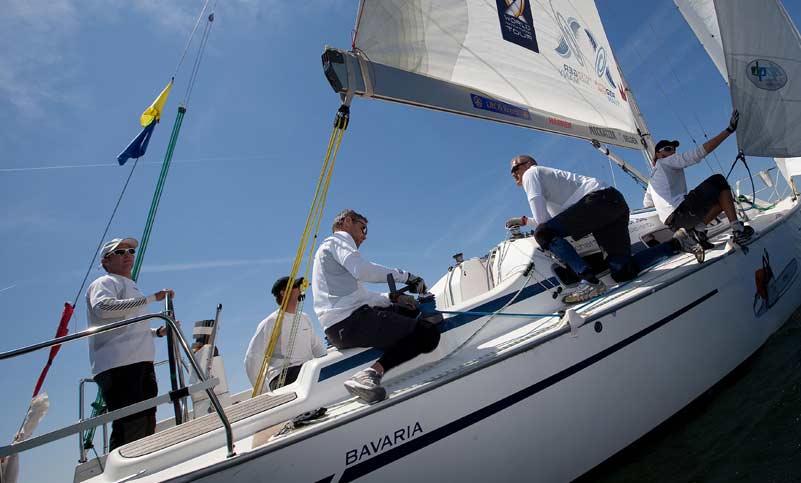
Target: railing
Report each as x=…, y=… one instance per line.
x=206, y=384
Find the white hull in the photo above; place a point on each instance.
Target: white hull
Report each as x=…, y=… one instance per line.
x=525, y=399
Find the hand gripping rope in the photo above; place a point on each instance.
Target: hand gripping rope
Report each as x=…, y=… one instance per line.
x=309, y=231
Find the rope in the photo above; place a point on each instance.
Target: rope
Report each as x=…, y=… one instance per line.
x=201, y=50
x=312, y=226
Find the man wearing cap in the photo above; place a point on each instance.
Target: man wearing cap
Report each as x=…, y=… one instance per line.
x=306, y=343
x=122, y=359
x=567, y=204
x=353, y=317
x=680, y=210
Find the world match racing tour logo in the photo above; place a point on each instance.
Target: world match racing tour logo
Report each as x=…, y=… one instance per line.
x=572, y=45
x=517, y=24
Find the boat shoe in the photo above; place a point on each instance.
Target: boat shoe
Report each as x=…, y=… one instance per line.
x=702, y=238
x=584, y=292
x=689, y=245
x=366, y=385
x=742, y=236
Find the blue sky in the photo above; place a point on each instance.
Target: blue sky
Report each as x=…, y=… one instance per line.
x=80, y=73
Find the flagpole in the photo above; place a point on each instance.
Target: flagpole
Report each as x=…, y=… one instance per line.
x=154, y=205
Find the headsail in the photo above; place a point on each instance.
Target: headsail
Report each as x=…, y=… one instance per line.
x=703, y=20
x=763, y=71
x=544, y=65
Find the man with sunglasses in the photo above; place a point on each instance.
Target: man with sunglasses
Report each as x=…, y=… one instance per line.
x=122, y=359
x=691, y=211
x=567, y=204
x=354, y=317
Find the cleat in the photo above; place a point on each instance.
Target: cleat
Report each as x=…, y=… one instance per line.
x=585, y=291
x=689, y=245
x=366, y=385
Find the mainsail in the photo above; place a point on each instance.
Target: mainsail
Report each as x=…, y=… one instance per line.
x=762, y=51
x=544, y=65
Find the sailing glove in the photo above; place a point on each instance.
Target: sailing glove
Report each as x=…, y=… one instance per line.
x=735, y=118
x=513, y=222
x=417, y=284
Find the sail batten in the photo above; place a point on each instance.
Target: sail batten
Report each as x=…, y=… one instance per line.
x=543, y=65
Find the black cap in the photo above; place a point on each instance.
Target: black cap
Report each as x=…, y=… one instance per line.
x=661, y=144
x=281, y=284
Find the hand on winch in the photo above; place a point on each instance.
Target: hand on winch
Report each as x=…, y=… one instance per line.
x=416, y=284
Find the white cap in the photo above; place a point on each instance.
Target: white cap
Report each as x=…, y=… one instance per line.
x=112, y=245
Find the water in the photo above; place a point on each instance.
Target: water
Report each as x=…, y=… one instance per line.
x=747, y=428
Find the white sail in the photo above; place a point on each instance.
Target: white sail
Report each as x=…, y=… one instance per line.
x=701, y=16
x=763, y=59
x=789, y=168
x=542, y=64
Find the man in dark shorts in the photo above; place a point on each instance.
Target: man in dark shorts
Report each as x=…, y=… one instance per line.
x=354, y=317
x=567, y=204
x=691, y=211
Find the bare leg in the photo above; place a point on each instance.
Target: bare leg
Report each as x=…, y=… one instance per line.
x=378, y=368
x=727, y=203
x=712, y=213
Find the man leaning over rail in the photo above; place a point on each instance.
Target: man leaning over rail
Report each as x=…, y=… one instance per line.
x=305, y=343
x=355, y=317
x=680, y=210
x=567, y=204
x=122, y=359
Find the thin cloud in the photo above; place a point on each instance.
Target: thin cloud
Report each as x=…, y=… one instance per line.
x=209, y=264
x=7, y=288
x=114, y=165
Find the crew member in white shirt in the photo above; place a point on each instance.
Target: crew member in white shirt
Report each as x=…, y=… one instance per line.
x=355, y=317
x=680, y=210
x=306, y=344
x=567, y=204
x=122, y=359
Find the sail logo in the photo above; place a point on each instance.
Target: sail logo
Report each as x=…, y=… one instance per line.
x=517, y=24
x=602, y=132
x=487, y=104
x=570, y=47
x=766, y=75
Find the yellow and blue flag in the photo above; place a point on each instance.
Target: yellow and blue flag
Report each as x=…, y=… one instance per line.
x=148, y=120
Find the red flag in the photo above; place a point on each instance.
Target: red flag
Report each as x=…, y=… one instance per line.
x=63, y=328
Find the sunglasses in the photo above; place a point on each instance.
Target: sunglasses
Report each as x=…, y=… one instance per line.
x=121, y=252
x=517, y=166
x=364, y=226
x=668, y=149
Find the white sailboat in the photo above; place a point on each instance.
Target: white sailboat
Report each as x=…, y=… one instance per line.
x=519, y=387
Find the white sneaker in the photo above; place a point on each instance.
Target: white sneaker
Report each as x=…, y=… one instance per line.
x=366, y=385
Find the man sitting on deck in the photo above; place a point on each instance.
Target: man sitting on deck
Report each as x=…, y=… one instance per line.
x=354, y=317
x=566, y=204
x=680, y=210
x=122, y=359
x=306, y=345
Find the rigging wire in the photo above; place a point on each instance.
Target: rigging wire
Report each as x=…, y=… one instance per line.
x=102, y=238
x=694, y=113
x=199, y=57
x=189, y=40
x=675, y=113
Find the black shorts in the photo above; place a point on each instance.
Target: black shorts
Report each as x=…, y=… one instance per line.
x=698, y=203
x=379, y=327
x=605, y=214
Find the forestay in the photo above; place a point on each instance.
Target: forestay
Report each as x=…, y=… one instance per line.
x=543, y=64
x=763, y=71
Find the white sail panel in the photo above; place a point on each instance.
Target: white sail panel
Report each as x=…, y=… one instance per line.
x=789, y=167
x=551, y=58
x=763, y=60
x=701, y=16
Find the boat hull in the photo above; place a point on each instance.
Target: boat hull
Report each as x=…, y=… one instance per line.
x=552, y=411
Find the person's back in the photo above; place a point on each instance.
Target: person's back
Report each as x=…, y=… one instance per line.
x=559, y=188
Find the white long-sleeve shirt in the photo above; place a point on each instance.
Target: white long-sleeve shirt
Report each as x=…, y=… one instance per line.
x=307, y=346
x=112, y=298
x=337, y=279
x=550, y=191
x=668, y=185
